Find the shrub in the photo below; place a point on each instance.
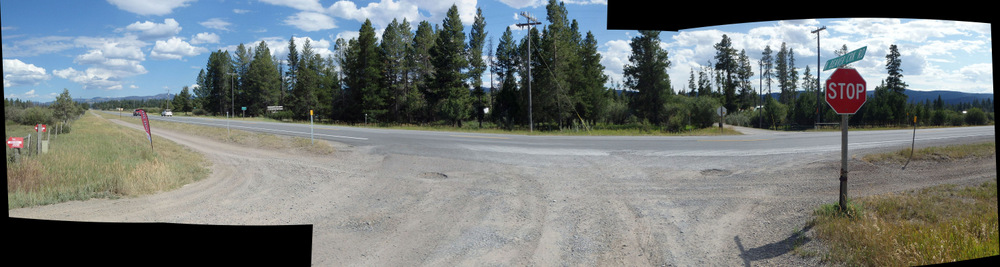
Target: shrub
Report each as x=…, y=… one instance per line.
x=36, y=115
x=198, y=112
x=975, y=116
x=281, y=115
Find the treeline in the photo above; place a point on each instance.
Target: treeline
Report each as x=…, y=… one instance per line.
x=63, y=110
x=434, y=74
x=431, y=75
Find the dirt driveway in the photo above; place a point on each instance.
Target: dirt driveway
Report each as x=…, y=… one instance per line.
x=622, y=209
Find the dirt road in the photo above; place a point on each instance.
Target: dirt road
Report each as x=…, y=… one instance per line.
x=622, y=209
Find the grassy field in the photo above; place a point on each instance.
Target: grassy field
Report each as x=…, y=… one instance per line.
x=472, y=126
x=243, y=138
x=933, y=225
x=99, y=159
x=984, y=149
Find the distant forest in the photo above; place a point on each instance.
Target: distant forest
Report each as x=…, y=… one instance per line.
x=432, y=76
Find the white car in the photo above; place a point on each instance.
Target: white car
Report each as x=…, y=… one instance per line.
x=167, y=113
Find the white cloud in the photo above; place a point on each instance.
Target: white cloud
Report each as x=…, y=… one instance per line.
x=311, y=21
x=91, y=78
x=25, y=95
x=240, y=11
x=205, y=38
x=36, y=46
x=615, y=58
x=16, y=72
x=523, y=3
x=151, y=30
x=380, y=13
x=109, y=60
x=149, y=7
x=304, y=5
x=216, y=23
x=175, y=48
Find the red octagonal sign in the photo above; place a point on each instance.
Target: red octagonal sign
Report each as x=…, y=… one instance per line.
x=846, y=91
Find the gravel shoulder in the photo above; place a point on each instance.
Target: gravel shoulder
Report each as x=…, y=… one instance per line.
x=625, y=209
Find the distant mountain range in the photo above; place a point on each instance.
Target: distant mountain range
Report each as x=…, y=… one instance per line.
x=949, y=97
x=105, y=99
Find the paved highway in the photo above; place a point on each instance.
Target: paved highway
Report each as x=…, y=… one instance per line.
x=482, y=146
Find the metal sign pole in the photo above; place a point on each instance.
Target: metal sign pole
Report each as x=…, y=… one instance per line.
x=843, y=162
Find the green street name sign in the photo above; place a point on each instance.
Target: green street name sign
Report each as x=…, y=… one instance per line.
x=845, y=59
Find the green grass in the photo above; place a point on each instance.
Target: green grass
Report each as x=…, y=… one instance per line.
x=934, y=225
x=240, y=137
x=472, y=126
x=99, y=159
x=951, y=152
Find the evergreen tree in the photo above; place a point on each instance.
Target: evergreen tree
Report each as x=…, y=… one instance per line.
x=394, y=47
x=768, y=64
x=646, y=73
x=477, y=66
x=241, y=64
x=747, y=96
x=304, y=89
x=182, y=101
x=201, y=91
x=218, y=79
x=507, y=106
x=420, y=71
x=593, y=100
x=262, y=82
x=726, y=63
x=451, y=97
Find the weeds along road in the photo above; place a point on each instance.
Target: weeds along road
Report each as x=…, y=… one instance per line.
x=394, y=197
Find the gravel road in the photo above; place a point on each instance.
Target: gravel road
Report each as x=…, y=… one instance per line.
x=621, y=209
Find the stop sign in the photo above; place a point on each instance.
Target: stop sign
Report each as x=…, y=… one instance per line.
x=846, y=91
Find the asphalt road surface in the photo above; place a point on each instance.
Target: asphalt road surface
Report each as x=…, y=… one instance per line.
x=482, y=146
x=427, y=198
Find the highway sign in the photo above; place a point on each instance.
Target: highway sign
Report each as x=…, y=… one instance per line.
x=846, y=91
x=845, y=59
x=15, y=142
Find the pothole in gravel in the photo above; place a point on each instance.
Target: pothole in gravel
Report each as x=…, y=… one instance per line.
x=716, y=172
x=434, y=175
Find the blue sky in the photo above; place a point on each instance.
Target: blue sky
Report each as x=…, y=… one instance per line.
x=146, y=47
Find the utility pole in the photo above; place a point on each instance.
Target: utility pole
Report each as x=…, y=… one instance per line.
x=818, y=89
x=531, y=21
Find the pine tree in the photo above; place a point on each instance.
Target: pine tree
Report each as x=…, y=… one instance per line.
x=304, y=88
x=646, y=73
x=726, y=63
x=477, y=66
x=394, y=47
x=593, y=100
x=507, y=106
x=262, y=82
x=452, y=100
x=420, y=70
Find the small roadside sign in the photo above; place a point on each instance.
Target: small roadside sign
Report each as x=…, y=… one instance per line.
x=15, y=142
x=40, y=127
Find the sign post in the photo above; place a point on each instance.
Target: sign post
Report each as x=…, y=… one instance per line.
x=39, y=128
x=311, y=140
x=722, y=117
x=846, y=92
x=16, y=143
